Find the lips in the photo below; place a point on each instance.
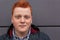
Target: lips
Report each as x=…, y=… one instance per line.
x=22, y=25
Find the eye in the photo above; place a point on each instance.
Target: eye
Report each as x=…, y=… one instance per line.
x=17, y=17
x=26, y=17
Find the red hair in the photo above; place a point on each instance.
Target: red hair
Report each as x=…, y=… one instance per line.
x=21, y=4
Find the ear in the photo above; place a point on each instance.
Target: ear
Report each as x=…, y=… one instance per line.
x=31, y=20
x=11, y=20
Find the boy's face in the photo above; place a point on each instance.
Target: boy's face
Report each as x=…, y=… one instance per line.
x=21, y=19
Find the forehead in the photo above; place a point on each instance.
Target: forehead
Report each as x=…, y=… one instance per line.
x=20, y=10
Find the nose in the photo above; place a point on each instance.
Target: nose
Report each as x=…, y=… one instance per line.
x=22, y=20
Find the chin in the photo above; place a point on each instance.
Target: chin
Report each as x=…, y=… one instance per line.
x=22, y=30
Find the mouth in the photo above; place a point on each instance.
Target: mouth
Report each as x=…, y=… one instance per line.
x=22, y=25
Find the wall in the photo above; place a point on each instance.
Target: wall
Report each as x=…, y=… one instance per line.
x=45, y=12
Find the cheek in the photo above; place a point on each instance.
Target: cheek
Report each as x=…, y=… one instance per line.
x=14, y=21
x=29, y=21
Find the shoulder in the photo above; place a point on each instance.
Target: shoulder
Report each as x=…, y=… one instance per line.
x=3, y=37
x=43, y=36
x=38, y=34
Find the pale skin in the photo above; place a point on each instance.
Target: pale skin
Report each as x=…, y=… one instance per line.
x=21, y=20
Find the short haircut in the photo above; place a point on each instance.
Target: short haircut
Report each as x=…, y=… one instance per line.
x=21, y=4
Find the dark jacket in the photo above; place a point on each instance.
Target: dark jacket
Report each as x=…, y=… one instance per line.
x=35, y=34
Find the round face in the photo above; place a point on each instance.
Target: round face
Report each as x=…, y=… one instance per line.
x=21, y=19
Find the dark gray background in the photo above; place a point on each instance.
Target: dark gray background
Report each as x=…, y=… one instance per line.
x=45, y=12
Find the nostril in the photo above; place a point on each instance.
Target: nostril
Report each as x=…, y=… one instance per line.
x=22, y=22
